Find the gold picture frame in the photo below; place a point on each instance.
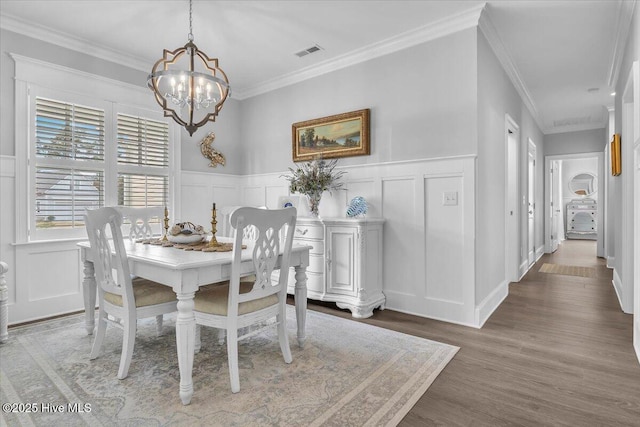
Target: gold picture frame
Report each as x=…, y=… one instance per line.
x=616, y=159
x=341, y=135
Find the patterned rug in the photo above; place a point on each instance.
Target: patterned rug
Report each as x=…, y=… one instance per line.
x=568, y=270
x=348, y=374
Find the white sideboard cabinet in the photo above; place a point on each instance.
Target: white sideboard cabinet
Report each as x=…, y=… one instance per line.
x=345, y=262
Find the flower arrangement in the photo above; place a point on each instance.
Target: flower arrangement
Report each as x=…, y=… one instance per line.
x=313, y=178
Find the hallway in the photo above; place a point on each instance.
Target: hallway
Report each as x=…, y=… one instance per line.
x=556, y=352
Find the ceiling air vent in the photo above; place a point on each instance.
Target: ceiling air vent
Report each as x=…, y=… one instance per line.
x=307, y=51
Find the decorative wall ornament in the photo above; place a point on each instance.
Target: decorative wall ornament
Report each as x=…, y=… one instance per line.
x=216, y=157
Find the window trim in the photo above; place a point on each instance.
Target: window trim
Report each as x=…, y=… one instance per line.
x=34, y=77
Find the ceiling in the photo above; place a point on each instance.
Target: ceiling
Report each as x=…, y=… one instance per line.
x=559, y=54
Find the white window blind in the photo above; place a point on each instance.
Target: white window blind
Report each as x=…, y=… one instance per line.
x=144, y=143
x=69, y=170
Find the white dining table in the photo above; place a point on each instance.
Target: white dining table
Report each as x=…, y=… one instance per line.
x=185, y=271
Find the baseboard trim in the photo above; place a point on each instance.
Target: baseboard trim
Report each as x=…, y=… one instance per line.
x=610, y=261
x=486, y=308
x=636, y=337
x=539, y=253
x=524, y=269
x=438, y=318
x=617, y=286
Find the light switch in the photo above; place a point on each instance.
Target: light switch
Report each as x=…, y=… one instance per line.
x=450, y=198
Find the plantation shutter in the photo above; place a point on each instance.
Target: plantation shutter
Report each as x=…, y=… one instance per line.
x=143, y=143
x=69, y=153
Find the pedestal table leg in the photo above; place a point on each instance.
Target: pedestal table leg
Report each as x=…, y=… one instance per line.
x=89, y=294
x=301, y=302
x=185, y=339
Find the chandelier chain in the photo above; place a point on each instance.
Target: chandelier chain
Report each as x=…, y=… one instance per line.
x=190, y=21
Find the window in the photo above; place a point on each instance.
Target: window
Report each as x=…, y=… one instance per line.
x=84, y=141
x=69, y=170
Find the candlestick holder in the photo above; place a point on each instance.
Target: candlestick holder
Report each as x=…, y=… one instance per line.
x=166, y=225
x=213, y=242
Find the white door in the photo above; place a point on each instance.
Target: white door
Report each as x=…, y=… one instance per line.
x=512, y=224
x=555, y=213
x=531, y=222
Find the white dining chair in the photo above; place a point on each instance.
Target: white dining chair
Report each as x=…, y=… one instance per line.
x=141, y=219
x=118, y=294
x=240, y=304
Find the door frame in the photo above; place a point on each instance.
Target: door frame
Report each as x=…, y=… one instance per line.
x=631, y=195
x=513, y=250
x=599, y=208
x=531, y=199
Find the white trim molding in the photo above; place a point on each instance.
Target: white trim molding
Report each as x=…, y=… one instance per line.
x=492, y=301
x=622, y=26
x=431, y=31
x=488, y=28
x=69, y=41
x=443, y=27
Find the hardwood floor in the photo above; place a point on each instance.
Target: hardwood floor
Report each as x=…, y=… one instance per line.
x=558, y=351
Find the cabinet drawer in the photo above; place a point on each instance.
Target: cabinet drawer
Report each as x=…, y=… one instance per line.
x=309, y=232
x=316, y=264
x=317, y=246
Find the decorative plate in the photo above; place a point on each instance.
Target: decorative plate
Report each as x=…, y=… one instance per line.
x=357, y=207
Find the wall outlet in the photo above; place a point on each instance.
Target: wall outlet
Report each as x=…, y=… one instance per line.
x=450, y=198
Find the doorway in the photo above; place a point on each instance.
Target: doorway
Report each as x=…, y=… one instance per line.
x=561, y=170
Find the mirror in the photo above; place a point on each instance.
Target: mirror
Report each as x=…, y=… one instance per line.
x=583, y=184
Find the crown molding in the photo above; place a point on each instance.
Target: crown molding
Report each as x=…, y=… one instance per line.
x=489, y=30
x=623, y=25
x=432, y=31
x=69, y=41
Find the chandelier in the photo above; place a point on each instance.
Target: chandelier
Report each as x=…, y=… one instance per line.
x=188, y=85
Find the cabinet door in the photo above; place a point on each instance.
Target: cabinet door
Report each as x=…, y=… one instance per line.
x=342, y=260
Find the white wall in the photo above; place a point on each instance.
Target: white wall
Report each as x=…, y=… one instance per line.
x=428, y=255
x=422, y=101
x=497, y=97
x=623, y=186
x=586, y=141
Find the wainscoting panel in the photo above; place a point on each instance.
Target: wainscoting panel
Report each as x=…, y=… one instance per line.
x=200, y=190
x=59, y=279
x=403, y=235
x=429, y=247
x=50, y=277
x=444, y=231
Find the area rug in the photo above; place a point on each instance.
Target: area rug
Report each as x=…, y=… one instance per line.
x=568, y=270
x=348, y=374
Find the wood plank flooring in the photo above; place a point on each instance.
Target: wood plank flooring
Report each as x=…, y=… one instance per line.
x=558, y=351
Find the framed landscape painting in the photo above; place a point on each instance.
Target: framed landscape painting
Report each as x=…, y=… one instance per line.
x=342, y=135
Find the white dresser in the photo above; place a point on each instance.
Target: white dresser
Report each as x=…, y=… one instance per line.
x=581, y=219
x=345, y=264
